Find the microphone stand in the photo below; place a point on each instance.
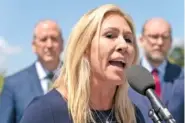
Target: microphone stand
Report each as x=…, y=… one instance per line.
x=154, y=116
x=160, y=111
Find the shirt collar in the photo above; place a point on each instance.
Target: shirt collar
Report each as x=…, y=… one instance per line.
x=149, y=67
x=42, y=72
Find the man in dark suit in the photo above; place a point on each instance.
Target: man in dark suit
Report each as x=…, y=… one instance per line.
x=156, y=41
x=20, y=88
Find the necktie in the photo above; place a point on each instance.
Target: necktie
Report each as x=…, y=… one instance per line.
x=155, y=74
x=50, y=77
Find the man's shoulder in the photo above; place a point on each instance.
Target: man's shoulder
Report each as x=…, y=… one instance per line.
x=174, y=66
x=174, y=71
x=19, y=76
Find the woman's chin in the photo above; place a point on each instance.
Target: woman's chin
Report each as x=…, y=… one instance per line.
x=117, y=80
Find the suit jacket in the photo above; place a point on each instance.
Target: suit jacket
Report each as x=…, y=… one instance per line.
x=172, y=94
x=19, y=89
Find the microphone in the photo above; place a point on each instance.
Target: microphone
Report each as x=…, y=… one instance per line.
x=141, y=80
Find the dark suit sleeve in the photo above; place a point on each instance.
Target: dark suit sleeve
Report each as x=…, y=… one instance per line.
x=7, y=105
x=38, y=112
x=139, y=115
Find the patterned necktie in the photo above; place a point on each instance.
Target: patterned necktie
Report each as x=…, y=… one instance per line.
x=155, y=74
x=50, y=78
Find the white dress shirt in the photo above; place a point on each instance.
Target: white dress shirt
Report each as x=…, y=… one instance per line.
x=42, y=73
x=160, y=68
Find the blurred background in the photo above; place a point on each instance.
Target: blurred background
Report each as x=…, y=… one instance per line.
x=18, y=18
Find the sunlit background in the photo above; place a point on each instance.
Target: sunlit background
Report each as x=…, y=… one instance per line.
x=18, y=18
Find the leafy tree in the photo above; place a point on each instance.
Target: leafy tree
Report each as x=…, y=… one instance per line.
x=1, y=81
x=177, y=55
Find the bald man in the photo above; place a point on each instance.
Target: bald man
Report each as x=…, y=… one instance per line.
x=156, y=41
x=20, y=88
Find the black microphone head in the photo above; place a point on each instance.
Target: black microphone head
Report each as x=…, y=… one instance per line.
x=140, y=79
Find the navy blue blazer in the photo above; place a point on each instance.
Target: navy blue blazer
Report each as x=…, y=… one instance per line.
x=172, y=94
x=19, y=89
x=52, y=108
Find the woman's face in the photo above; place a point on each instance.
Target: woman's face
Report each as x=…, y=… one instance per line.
x=112, y=51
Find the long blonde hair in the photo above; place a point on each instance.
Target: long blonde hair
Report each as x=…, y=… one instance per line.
x=75, y=73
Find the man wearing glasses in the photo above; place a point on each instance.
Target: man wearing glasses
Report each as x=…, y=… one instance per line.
x=156, y=41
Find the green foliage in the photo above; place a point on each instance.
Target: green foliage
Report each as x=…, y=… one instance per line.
x=177, y=55
x=1, y=81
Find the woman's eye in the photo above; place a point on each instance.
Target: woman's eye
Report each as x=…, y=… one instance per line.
x=110, y=35
x=128, y=40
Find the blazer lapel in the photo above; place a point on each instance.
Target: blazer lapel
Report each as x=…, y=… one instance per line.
x=34, y=81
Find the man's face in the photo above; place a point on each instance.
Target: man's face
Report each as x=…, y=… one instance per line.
x=156, y=40
x=48, y=42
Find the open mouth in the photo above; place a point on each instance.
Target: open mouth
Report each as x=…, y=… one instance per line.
x=118, y=64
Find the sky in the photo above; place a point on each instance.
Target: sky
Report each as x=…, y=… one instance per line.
x=18, y=18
